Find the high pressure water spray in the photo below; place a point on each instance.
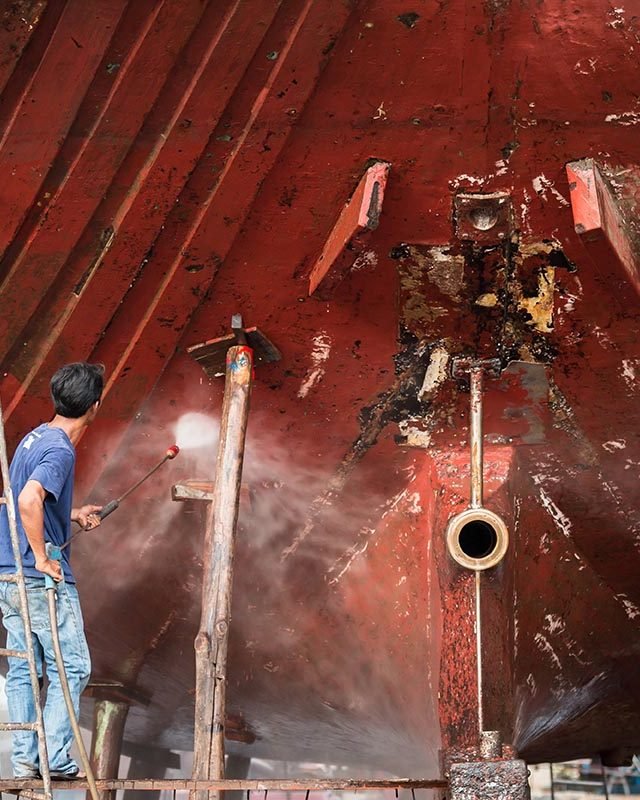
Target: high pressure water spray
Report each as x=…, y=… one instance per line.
x=54, y=552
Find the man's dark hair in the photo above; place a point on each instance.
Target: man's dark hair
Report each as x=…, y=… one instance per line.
x=76, y=387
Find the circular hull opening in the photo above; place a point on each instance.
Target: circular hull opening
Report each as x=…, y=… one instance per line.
x=477, y=539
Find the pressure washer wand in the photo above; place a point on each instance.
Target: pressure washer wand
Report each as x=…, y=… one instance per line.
x=111, y=506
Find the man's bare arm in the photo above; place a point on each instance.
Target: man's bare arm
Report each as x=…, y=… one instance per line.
x=31, y=505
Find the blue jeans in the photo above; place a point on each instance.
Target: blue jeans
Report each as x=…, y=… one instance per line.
x=25, y=758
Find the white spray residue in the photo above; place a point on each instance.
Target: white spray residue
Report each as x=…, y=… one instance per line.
x=413, y=503
x=194, y=430
x=554, y=624
x=368, y=258
x=617, y=17
x=604, y=340
x=632, y=610
x=626, y=118
x=586, y=66
x=354, y=553
x=524, y=212
x=319, y=354
x=614, y=444
x=545, y=645
x=472, y=180
x=629, y=373
x=561, y=521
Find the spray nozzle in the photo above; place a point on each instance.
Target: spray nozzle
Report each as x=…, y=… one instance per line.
x=172, y=451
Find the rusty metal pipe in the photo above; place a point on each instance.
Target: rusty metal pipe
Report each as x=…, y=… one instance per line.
x=478, y=608
x=475, y=435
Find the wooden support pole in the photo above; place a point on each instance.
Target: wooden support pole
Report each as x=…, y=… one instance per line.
x=109, y=717
x=212, y=640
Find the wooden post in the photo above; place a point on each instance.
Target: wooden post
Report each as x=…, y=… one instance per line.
x=212, y=639
x=109, y=718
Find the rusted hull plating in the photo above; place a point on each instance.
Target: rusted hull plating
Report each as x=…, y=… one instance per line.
x=170, y=162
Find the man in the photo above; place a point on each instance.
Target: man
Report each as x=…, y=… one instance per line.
x=42, y=472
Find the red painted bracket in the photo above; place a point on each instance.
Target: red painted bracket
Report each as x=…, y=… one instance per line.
x=347, y=239
x=598, y=220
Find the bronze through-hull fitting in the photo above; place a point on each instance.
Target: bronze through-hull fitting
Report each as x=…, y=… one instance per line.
x=477, y=539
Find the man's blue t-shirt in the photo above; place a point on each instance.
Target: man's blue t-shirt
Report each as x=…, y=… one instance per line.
x=45, y=455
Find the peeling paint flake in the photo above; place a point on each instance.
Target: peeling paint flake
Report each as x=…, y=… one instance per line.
x=617, y=17
x=436, y=373
x=467, y=180
x=319, y=354
x=626, y=118
x=415, y=436
x=541, y=185
x=614, y=444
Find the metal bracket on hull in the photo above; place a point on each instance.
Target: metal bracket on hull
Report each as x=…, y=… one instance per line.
x=483, y=218
x=462, y=366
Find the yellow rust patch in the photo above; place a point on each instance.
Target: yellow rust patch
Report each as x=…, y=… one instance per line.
x=488, y=300
x=540, y=307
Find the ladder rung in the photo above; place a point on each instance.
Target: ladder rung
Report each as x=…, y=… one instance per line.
x=8, y=577
x=29, y=794
x=18, y=726
x=14, y=653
